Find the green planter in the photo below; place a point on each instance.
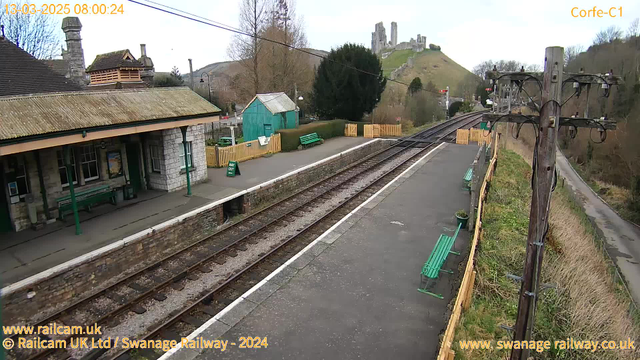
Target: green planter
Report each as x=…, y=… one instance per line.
x=462, y=220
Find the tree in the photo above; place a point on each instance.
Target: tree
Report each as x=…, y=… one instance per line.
x=423, y=108
x=340, y=91
x=173, y=79
x=416, y=85
x=246, y=49
x=467, y=86
x=634, y=29
x=481, y=91
x=283, y=68
x=608, y=35
x=571, y=53
x=38, y=34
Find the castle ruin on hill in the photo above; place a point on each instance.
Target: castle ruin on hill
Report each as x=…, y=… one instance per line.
x=379, y=41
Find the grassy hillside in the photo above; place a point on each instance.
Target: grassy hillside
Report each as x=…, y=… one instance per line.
x=429, y=65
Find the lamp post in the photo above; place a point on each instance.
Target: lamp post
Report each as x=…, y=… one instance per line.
x=208, y=83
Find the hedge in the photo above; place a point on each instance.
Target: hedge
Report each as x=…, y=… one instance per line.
x=290, y=138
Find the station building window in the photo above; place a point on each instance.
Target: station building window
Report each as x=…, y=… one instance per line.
x=89, y=163
x=189, y=155
x=156, y=157
x=62, y=169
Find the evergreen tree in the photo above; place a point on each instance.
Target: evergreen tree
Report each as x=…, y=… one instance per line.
x=340, y=91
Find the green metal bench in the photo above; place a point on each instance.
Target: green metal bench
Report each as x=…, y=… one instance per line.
x=433, y=266
x=467, y=178
x=86, y=199
x=310, y=139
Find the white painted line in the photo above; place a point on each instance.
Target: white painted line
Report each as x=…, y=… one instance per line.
x=275, y=272
x=141, y=234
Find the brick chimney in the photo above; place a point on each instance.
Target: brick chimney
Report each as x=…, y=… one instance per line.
x=74, y=55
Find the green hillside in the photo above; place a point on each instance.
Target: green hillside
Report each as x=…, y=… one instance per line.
x=429, y=65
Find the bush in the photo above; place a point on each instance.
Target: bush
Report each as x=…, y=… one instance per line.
x=434, y=47
x=290, y=138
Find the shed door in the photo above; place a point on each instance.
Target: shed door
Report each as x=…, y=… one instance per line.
x=268, y=130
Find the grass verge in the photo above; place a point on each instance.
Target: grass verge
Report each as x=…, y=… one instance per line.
x=617, y=197
x=587, y=304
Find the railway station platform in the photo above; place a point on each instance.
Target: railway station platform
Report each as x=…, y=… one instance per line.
x=352, y=293
x=29, y=252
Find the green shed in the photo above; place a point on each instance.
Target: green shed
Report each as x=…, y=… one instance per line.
x=266, y=114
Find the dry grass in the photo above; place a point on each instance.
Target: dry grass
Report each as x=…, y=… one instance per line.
x=589, y=303
x=596, y=307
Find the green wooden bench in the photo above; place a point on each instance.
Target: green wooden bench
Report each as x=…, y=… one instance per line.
x=310, y=139
x=85, y=199
x=436, y=260
x=467, y=178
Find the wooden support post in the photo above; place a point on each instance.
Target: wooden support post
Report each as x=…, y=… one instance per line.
x=66, y=154
x=451, y=355
x=186, y=155
x=543, y=178
x=469, y=291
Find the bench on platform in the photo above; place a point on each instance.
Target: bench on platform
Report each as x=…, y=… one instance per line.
x=309, y=139
x=467, y=178
x=85, y=199
x=433, y=266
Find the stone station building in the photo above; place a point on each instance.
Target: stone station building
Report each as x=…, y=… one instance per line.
x=120, y=141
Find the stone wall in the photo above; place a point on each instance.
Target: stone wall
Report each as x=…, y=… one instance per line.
x=173, y=165
x=77, y=282
x=295, y=182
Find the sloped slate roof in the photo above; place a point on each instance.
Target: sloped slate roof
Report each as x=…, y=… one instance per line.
x=30, y=115
x=57, y=65
x=275, y=102
x=21, y=73
x=113, y=60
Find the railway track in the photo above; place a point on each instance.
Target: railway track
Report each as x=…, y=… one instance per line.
x=150, y=286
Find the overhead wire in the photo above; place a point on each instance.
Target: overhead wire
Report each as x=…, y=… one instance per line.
x=205, y=21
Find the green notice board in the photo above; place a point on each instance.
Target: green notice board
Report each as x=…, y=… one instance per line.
x=233, y=169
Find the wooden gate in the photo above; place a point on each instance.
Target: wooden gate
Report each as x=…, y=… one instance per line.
x=462, y=136
x=351, y=130
x=372, y=131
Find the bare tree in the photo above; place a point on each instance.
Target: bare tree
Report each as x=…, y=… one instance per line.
x=534, y=68
x=38, y=34
x=608, y=35
x=634, y=29
x=246, y=49
x=285, y=67
x=571, y=53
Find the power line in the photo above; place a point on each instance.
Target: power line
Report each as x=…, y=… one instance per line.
x=219, y=25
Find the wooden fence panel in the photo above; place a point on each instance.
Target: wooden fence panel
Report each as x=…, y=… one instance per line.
x=242, y=152
x=351, y=130
x=368, y=131
x=476, y=135
x=390, y=130
x=462, y=136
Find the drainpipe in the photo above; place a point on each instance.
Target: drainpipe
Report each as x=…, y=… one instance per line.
x=67, y=163
x=186, y=157
x=43, y=189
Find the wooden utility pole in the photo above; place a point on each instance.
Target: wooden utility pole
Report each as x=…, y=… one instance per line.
x=543, y=178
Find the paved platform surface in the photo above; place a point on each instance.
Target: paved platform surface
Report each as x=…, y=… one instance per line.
x=29, y=252
x=353, y=293
x=620, y=235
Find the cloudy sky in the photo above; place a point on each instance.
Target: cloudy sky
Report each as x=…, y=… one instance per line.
x=468, y=31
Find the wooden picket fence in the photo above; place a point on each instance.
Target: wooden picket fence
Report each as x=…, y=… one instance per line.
x=351, y=130
x=378, y=130
x=465, y=293
x=220, y=156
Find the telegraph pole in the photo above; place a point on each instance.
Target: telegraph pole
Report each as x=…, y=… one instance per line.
x=543, y=178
